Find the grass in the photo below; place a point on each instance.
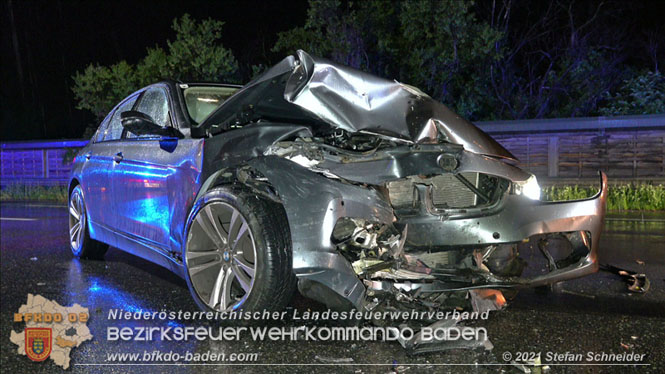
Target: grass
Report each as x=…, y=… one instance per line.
x=620, y=198
x=643, y=197
x=22, y=192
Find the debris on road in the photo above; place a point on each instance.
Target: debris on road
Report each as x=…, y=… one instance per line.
x=399, y=369
x=484, y=299
x=532, y=366
x=417, y=344
x=332, y=360
x=638, y=283
x=578, y=294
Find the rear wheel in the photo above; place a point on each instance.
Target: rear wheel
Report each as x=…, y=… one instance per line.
x=238, y=252
x=80, y=242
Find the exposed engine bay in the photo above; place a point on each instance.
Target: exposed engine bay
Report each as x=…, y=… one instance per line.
x=417, y=272
x=392, y=199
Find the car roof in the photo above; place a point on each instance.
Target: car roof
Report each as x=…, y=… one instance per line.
x=210, y=84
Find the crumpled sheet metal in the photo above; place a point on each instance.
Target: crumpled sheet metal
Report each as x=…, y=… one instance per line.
x=317, y=92
x=357, y=101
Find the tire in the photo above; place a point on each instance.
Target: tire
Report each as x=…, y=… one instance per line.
x=80, y=242
x=237, y=253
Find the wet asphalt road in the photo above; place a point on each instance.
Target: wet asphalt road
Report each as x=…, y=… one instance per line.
x=591, y=314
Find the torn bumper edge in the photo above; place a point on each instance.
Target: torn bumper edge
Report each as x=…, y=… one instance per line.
x=515, y=220
x=565, y=216
x=313, y=209
x=592, y=221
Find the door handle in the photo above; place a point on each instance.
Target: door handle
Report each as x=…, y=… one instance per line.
x=118, y=157
x=87, y=156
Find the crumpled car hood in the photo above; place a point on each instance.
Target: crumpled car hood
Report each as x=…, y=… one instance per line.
x=320, y=93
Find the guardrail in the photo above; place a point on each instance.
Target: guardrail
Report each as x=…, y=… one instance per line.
x=627, y=148
x=558, y=151
x=41, y=163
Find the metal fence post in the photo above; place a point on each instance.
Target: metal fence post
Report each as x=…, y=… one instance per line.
x=45, y=162
x=553, y=157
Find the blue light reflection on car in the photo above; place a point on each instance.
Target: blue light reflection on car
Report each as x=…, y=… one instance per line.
x=153, y=210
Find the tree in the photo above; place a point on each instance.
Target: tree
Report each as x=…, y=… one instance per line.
x=447, y=51
x=196, y=54
x=490, y=59
x=99, y=88
x=642, y=94
x=335, y=31
x=436, y=45
x=561, y=56
x=494, y=59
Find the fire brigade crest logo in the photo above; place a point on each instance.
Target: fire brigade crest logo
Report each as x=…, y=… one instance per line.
x=51, y=331
x=38, y=343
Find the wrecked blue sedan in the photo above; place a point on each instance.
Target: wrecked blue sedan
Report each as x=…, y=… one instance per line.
x=359, y=191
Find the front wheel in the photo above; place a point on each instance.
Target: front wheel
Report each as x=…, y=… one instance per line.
x=238, y=252
x=80, y=242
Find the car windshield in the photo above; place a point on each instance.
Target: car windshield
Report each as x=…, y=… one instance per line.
x=203, y=100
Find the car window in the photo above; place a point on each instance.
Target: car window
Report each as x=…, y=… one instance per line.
x=203, y=100
x=155, y=104
x=99, y=134
x=114, y=129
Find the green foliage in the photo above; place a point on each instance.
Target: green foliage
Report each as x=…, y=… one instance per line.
x=195, y=55
x=576, y=84
x=624, y=197
x=643, y=93
x=153, y=67
x=447, y=53
x=501, y=62
x=326, y=31
x=437, y=46
x=258, y=70
x=555, y=193
x=510, y=62
x=99, y=88
x=22, y=192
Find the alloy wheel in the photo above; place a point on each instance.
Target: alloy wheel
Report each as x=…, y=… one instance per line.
x=76, y=219
x=221, y=256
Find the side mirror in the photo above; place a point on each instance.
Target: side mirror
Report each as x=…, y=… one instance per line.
x=142, y=124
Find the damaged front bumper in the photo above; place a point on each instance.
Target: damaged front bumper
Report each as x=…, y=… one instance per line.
x=471, y=240
x=517, y=219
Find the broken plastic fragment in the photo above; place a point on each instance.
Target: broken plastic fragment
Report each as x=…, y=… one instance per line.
x=332, y=360
x=418, y=345
x=638, y=283
x=532, y=366
x=484, y=299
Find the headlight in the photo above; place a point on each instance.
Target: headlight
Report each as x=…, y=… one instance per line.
x=530, y=188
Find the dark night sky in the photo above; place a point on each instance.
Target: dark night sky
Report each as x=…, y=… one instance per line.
x=57, y=38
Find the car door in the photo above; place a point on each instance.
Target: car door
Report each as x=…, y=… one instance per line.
x=96, y=183
x=155, y=179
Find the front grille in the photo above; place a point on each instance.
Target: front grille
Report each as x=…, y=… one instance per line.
x=447, y=191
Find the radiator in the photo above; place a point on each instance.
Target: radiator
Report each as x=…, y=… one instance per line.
x=447, y=191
